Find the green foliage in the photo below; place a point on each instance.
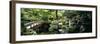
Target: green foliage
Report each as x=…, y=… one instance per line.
x=61, y=21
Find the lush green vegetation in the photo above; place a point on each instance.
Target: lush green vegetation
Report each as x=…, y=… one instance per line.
x=49, y=21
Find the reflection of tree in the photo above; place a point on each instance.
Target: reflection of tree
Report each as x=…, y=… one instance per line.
x=49, y=21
